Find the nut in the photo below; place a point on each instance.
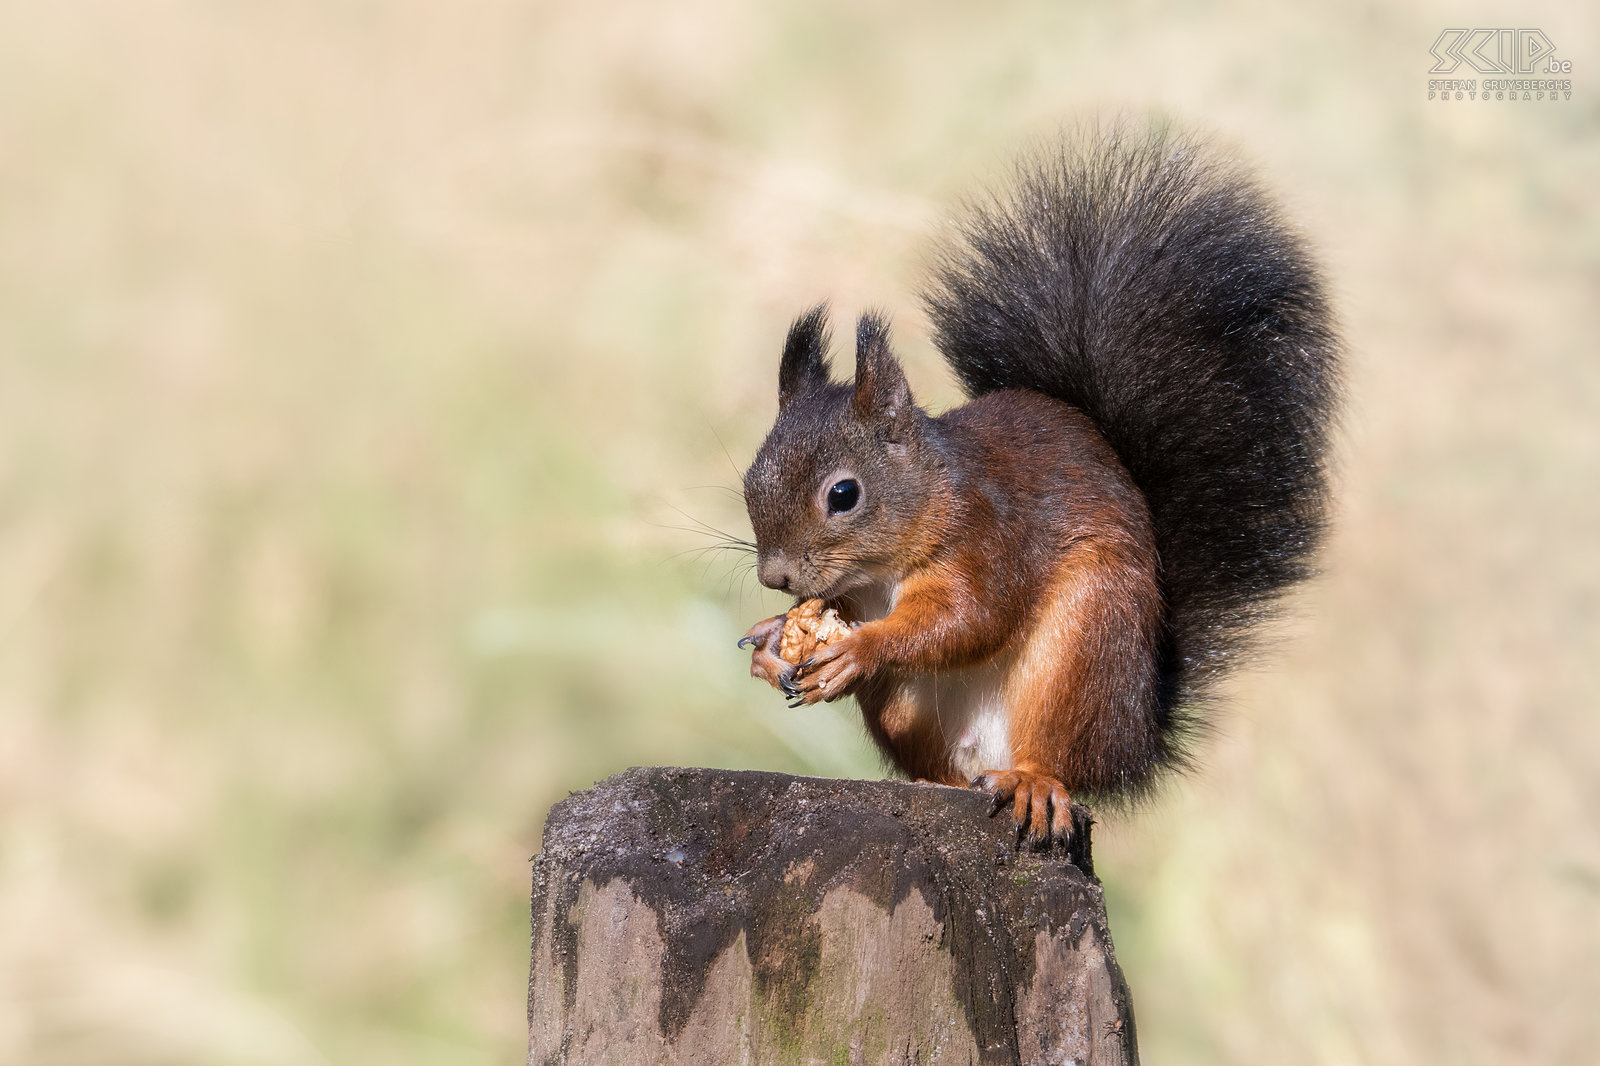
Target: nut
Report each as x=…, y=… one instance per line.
x=807, y=627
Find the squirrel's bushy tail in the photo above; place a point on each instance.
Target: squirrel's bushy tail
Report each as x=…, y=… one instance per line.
x=1154, y=287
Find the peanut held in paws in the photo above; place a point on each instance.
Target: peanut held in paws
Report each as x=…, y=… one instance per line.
x=807, y=627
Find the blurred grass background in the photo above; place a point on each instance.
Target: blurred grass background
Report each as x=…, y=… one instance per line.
x=358, y=359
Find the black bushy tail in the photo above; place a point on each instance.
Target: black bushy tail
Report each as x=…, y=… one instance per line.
x=1156, y=288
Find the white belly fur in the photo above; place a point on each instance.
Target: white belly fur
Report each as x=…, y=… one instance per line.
x=967, y=707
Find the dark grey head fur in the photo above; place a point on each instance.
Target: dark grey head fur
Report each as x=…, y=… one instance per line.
x=826, y=434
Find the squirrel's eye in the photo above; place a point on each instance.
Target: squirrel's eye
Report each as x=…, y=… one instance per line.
x=843, y=496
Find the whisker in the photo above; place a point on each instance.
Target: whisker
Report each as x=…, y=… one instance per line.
x=738, y=542
x=706, y=549
x=709, y=529
x=729, y=545
x=737, y=473
x=737, y=494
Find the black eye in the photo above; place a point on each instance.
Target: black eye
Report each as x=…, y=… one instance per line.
x=843, y=496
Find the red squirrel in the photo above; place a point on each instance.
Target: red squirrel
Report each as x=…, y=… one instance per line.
x=1046, y=580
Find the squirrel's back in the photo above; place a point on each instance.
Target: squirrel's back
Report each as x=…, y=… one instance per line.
x=1150, y=284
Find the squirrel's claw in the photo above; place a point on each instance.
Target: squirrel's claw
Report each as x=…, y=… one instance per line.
x=836, y=670
x=763, y=633
x=764, y=663
x=1040, y=805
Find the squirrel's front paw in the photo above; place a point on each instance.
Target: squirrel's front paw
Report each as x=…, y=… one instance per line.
x=763, y=639
x=1039, y=803
x=835, y=670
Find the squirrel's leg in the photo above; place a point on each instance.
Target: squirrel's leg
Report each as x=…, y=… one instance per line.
x=912, y=741
x=1043, y=688
x=1080, y=697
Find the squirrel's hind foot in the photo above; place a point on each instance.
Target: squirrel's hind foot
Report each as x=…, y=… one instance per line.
x=1040, y=805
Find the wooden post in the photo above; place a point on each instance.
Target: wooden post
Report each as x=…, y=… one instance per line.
x=713, y=916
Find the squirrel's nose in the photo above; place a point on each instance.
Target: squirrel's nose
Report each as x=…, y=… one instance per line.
x=773, y=571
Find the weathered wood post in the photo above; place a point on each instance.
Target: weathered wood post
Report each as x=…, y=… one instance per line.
x=712, y=916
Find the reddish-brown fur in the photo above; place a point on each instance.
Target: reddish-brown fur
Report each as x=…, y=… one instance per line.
x=1064, y=577
x=1033, y=550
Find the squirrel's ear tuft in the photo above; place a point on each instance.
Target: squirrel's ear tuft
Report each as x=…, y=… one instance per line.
x=882, y=396
x=805, y=355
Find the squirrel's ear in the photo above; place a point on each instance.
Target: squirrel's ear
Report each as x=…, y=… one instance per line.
x=882, y=396
x=805, y=355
